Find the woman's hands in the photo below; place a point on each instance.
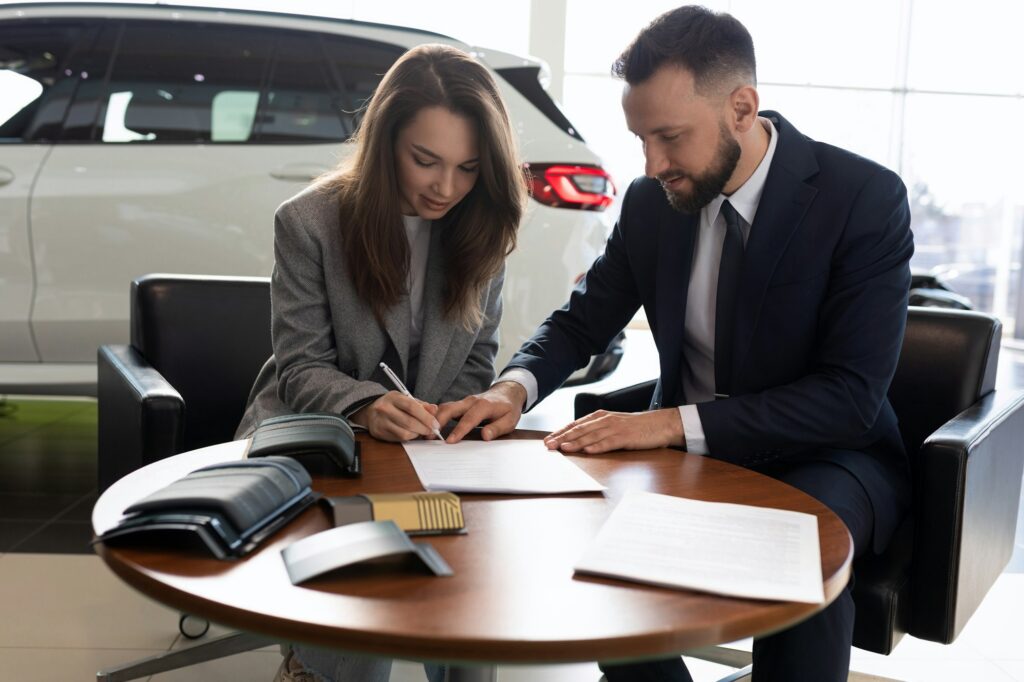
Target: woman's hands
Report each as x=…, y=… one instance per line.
x=396, y=417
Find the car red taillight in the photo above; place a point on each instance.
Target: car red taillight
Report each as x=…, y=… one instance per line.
x=589, y=188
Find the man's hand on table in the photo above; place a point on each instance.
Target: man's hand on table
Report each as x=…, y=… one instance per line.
x=501, y=405
x=603, y=431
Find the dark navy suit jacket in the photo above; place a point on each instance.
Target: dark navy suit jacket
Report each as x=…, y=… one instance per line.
x=820, y=317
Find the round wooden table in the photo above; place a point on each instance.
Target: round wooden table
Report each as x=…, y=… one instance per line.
x=513, y=598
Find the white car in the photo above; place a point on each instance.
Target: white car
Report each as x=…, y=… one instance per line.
x=137, y=139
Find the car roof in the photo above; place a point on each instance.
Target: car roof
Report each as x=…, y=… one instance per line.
x=400, y=36
x=496, y=59
x=131, y=10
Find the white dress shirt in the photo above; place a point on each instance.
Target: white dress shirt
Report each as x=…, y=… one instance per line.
x=702, y=293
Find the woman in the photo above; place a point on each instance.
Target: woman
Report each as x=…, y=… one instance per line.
x=396, y=256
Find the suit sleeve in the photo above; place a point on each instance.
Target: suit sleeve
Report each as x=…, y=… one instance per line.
x=308, y=378
x=478, y=371
x=598, y=309
x=861, y=321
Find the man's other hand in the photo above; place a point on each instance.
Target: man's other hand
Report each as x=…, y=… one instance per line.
x=501, y=405
x=603, y=431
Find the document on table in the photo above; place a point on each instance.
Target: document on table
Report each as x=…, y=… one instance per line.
x=523, y=467
x=729, y=549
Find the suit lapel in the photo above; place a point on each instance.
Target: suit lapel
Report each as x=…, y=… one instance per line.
x=437, y=329
x=676, y=239
x=784, y=202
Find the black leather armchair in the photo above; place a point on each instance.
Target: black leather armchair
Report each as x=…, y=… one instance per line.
x=197, y=344
x=964, y=439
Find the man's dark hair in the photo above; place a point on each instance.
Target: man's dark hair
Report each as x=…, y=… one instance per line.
x=714, y=47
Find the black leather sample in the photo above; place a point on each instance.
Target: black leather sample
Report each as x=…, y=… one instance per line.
x=231, y=506
x=323, y=443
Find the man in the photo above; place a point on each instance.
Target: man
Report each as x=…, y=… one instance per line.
x=774, y=272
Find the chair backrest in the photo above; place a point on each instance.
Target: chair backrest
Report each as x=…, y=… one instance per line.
x=947, y=364
x=207, y=336
x=948, y=361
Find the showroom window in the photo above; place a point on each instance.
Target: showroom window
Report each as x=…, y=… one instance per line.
x=927, y=89
x=184, y=83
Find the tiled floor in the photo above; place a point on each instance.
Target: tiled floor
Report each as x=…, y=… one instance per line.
x=65, y=615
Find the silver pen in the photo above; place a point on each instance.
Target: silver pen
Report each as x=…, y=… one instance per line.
x=404, y=391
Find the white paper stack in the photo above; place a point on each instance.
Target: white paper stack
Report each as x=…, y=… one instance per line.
x=728, y=549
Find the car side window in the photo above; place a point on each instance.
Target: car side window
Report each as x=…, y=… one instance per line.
x=184, y=82
x=301, y=103
x=358, y=65
x=36, y=80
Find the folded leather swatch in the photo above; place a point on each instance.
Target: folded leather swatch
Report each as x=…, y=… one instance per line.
x=231, y=507
x=323, y=443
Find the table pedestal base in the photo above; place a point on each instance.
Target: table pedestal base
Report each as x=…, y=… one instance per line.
x=484, y=673
x=226, y=645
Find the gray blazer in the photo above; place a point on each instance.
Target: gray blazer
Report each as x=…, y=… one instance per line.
x=327, y=344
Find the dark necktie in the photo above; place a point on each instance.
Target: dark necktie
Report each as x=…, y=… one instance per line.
x=725, y=305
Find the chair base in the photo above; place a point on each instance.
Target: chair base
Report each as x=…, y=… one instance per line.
x=737, y=658
x=237, y=643
x=484, y=673
x=240, y=642
x=226, y=645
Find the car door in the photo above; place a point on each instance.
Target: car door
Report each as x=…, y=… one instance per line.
x=200, y=131
x=35, y=82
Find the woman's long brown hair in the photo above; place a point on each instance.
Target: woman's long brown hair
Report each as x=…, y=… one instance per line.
x=478, y=233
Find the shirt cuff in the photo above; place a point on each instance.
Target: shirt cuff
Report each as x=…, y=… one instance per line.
x=693, y=430
x=524, y=378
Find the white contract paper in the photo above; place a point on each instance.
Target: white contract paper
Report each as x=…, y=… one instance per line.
x=729, y=549
x=518, y=467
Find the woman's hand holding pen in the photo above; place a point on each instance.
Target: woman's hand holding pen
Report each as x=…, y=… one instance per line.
x=397, y=417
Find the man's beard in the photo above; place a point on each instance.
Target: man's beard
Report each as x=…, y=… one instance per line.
x=710, y=183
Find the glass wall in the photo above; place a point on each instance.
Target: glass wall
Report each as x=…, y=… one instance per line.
x=930, y=89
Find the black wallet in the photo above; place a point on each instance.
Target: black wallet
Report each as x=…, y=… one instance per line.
x=230, y=507
x=323, y=443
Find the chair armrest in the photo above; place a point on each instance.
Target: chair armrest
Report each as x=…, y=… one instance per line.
x=967, y=484
x=140, y=415
x=635, y=398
